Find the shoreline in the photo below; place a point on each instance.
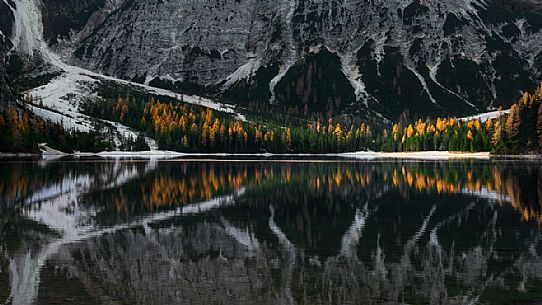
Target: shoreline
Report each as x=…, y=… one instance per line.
x=50, y=154
x=421, y=155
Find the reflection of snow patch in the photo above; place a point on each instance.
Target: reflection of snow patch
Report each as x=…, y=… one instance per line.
x=82, y=184
x=75, y=227
x=422, y=229
x=244, y=237
x=290, y=252
x=351, y=237
x=433, y=237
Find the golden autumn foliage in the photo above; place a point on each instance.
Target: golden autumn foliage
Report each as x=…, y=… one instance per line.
x=210, y=183
x=409, y=131
x=420, y=127
x=470, y=136
x=207, y=131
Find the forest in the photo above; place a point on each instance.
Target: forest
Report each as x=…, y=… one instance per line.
x=22, y=132
x=189, y=128
x=184, y=127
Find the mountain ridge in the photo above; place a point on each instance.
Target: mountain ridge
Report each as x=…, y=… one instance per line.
x=373, y=59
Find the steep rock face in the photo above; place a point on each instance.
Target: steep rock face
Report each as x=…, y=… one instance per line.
x=63, y=17
x=6, y=28
x=522, y=5
x=197, y=42
x=354, y=56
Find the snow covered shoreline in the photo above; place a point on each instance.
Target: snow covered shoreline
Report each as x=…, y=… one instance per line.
x=53, y=154
x=422, y=155
x=47, y=153
x=428, y=155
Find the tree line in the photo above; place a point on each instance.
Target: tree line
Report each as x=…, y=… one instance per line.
x=520, y=131
x=22, y=132
x=191, y=128
x=440, y=134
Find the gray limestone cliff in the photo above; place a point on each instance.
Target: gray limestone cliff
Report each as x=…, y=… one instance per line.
x=350, y=56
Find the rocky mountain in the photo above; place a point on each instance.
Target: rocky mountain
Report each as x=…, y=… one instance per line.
x=6, y=22
x=342, y=56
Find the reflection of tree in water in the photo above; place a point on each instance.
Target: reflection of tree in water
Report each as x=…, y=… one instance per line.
x=23, y=183
x=359, y=233
x=187, y=183
x=174, y=186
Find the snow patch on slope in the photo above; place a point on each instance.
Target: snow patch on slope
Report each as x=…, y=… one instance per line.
x=433, y=71
x=290, y=47
x=483, y=117
x=46, y=150
x=28, y=28
x=244, y=72
x=65, y=93
x=424, y=84
x=351, y=71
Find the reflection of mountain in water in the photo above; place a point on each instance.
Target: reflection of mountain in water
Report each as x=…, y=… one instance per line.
x=280, y=233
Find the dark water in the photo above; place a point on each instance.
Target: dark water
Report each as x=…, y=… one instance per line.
x=264, y=232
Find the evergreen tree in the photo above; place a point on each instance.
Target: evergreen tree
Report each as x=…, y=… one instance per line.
x=512, y=129
x=539, y=127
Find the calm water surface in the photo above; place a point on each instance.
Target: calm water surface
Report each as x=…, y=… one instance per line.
x=270, y=232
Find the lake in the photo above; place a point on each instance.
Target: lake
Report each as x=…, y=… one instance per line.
x=263, y=231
